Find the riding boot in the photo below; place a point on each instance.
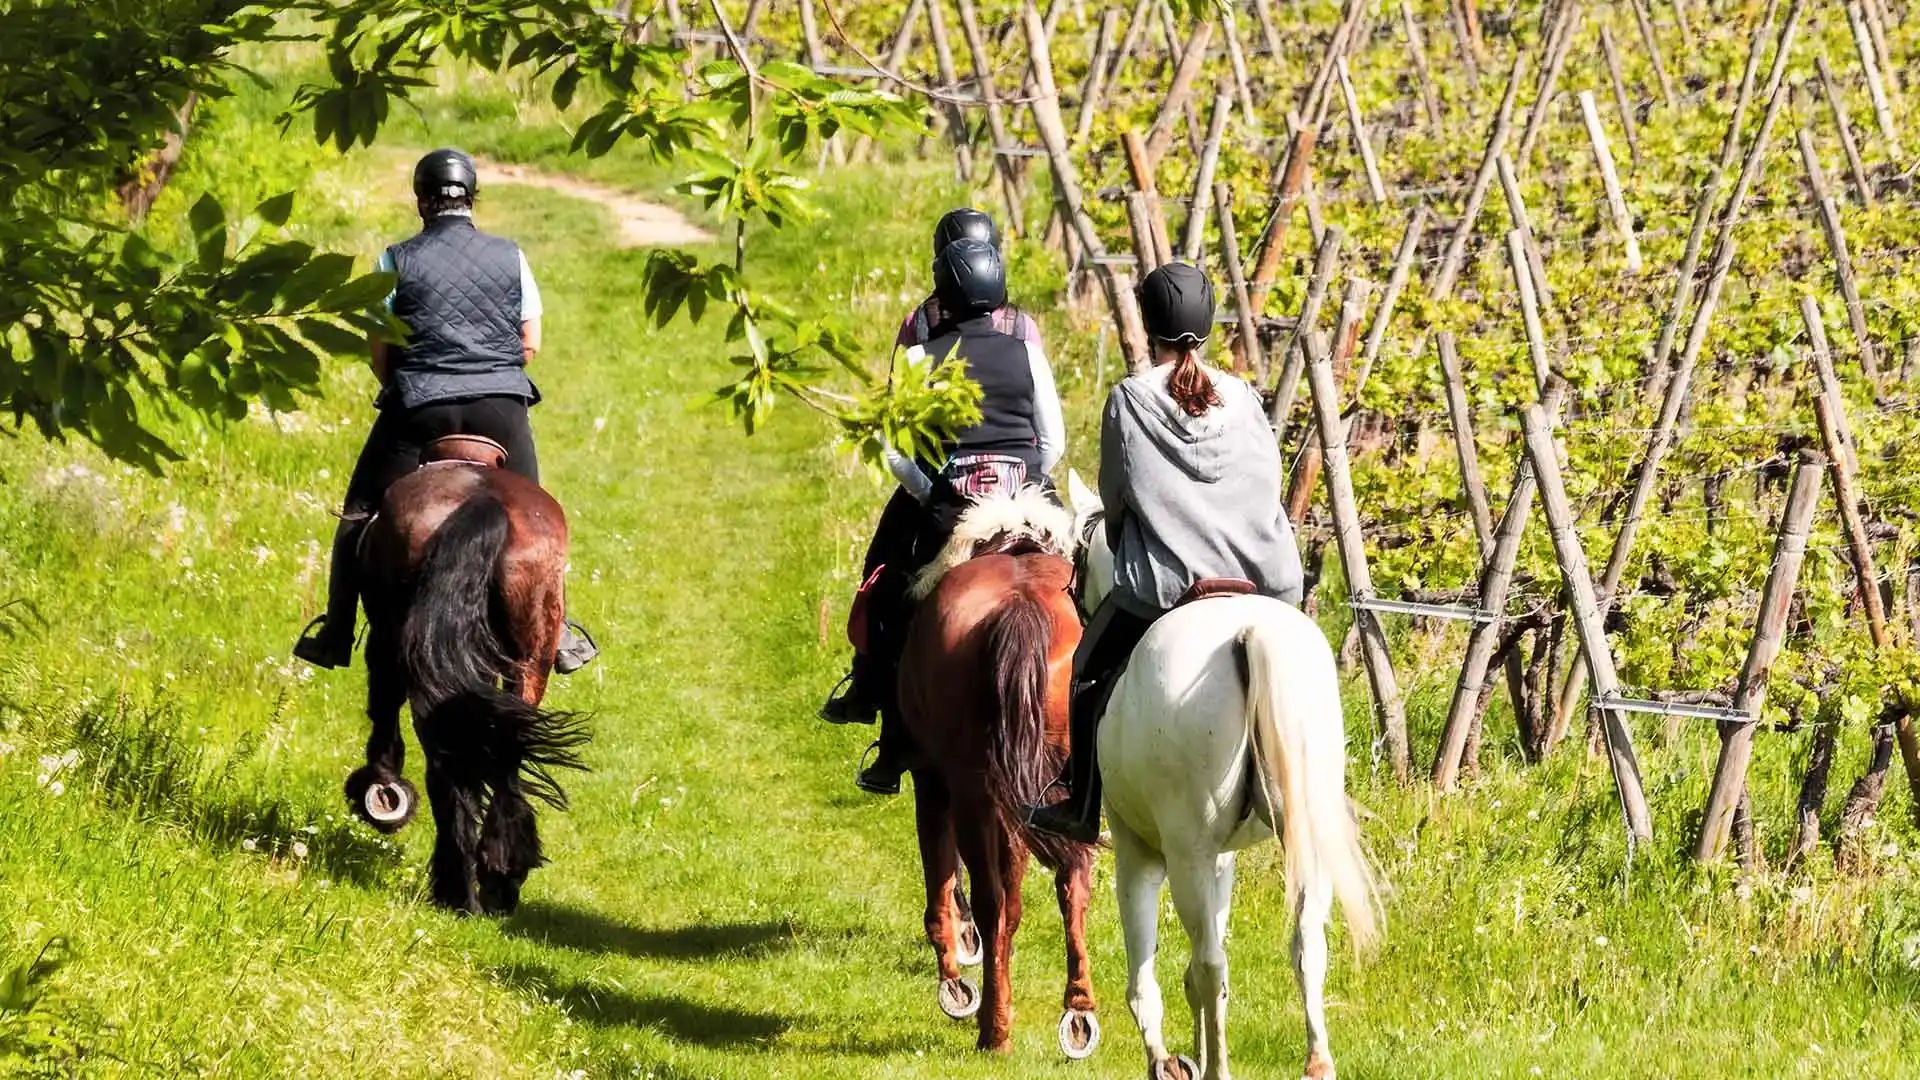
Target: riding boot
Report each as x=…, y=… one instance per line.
x=327, y=641
x=852, y=701
x=882, y=777
x=1077, y=817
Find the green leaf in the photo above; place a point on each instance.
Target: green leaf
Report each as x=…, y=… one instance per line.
x=364, y=291
x=332, y=337
x=209, y=221
x=324, y=273
x=277, y=210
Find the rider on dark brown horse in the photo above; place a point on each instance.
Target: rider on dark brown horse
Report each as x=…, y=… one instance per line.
x=474, y=312
x=918, y=327
x=1019, y=439
x=1190, y=476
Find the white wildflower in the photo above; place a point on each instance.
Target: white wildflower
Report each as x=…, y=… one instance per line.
x=249, y=844
x=1602, y=941
x=299, y=849
x=56, y=789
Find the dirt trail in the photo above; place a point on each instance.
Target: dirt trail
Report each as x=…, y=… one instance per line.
x=642, y=224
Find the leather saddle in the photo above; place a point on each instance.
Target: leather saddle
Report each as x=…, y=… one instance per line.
x=465, y=450
x=1212, y=587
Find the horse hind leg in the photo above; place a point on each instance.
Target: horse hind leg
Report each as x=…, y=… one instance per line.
x=1138, y=874
x=1310, y=967
x=1079, y=1028
x=455, y=798
x=996, y=874
x=1203, y=895
x=509, y=847
x=959, y=997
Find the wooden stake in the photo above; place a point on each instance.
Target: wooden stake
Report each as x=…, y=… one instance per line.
x=1273, y=241
x=950, y=75
x=1146, y=247
x=1417, y=48
x=1396, y=283
x=1620, y=101
x=1652, y=43
x=1557, y=49
x=1736, y=737
x=1316, y=222
x=1477, y=196
x=1250, y=353
x=1529, y=309
x=1140, y=167
x=1306, y=466
x=1499, y=552
x=1842, y=259
x=1237, y=57
x=1136, y=27
x=1199, y=208
x=1855, y=169
x=996, y=117
x=1587, y=619
x=1876, y=26
x=1353, y=556
x=1292, y=359
x=1876, y=87
x=1464, y=38
x=1096, y=85
x=1053, y=134
x=865, y=146
x=1375, y=188
x=1617, y=203
x=1263, y=10
x=1517, y=210
x=1195, y=55
x=1829, y=382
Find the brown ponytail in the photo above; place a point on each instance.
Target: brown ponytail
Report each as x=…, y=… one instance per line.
x=1192, y=390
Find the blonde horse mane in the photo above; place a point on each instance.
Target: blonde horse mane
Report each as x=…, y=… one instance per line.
x=1027, y=514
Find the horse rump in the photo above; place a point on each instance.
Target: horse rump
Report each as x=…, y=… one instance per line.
x=1021, y=765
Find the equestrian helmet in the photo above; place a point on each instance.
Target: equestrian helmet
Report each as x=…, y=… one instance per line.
x=969, y=278
x=964, y=221
x=1176, y=303
x=446, y=173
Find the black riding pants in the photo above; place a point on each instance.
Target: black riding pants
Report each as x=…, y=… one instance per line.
x=400, y=436
x=1107, y=642
x=393, y=449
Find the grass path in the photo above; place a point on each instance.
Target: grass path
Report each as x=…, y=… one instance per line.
x=721, y=901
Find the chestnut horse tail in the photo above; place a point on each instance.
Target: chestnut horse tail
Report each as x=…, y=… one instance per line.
x=1020, y=764
x=455, y=661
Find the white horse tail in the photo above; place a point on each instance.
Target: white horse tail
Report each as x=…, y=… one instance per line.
x=1299, y=743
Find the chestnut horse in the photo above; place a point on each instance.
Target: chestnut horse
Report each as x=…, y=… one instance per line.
x=983, y=685
x=464, y=594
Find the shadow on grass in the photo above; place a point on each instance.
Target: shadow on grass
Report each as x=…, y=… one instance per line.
x=590, y=931
x=680, y=1019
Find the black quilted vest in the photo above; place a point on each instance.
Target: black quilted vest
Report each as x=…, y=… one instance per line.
x=998, y=362
x=459, y=292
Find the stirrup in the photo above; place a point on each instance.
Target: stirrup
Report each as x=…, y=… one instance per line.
x=318, y=650
x=838, y=708
x=873, y=786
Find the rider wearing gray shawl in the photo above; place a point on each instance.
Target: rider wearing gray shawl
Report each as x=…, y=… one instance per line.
x=1190, y=476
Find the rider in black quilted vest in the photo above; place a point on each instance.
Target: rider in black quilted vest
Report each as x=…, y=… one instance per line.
x=473, y=310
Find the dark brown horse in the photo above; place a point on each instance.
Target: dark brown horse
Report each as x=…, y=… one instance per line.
x=464, y=572
x=984, y=683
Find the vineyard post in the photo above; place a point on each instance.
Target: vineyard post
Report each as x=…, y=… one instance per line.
x=1417, y=48
x=1263, y=10
x=1307, y=464
x=1620, y=100
x=1313, y=106
x=1178, y=95
x=1686, y=29
x=1053, y=134
x=863, y=147
x=1140, y=168
x=1136, y=26
x=1736, y=736
x=1529, y=309
x=1096, y=84
x=950, y=75
x=1557, y=49
x=1876, y=21
x=1652, y=42
x=996, y=118
x=1273, y=241
x=1396, y=284
x=1353, y=556
x=1587, y=620
x=1146, y=251
x=1842, y=259
x=1250, y=354
x=1855, y=169
x=1499, y=553
x=1616, y=202
x=1517, y=210
x=1200, y=207
x=1477, y=196
x=1237, y=59
x=1830, y=410
x=1292, y=358
x=1316, y=223
x=1375, y=189
x=1470, y=18
x=1876, y=88
x=1469, y=56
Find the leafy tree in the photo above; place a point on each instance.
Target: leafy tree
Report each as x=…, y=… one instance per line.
x=100, y=330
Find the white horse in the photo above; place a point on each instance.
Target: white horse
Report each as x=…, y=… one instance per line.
x=1224, y=730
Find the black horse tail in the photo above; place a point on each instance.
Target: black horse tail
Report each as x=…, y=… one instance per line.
x=1020, y=764
x=455, y=661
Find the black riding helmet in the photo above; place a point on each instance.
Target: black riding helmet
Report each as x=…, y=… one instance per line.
x=1176, y=303
x=445, y=173
x=969, y=278
x=965, y=221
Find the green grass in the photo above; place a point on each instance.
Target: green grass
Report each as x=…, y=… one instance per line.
x=721, y=901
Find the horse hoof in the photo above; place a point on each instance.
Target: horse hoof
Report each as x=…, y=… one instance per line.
x=1177, y=1067
x=1079, y=1034
x=380, y=799
x=959, y=998
x=971, y=953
